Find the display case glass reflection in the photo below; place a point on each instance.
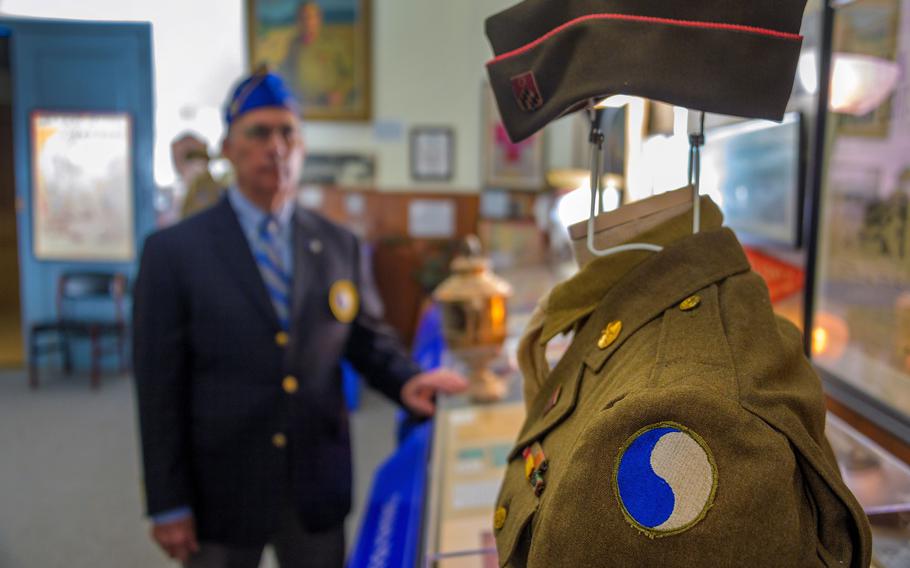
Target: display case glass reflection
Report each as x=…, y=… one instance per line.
x=752, y=169
x=861, y=331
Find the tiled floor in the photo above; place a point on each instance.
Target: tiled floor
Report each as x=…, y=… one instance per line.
x=69, y=476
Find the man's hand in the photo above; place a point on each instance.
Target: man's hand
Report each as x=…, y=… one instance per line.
x=177, y=538
x=419, y=393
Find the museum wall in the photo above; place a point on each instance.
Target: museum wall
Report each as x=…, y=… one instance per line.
x=427, y=65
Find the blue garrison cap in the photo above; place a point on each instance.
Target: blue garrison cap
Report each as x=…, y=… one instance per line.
x=261, y=89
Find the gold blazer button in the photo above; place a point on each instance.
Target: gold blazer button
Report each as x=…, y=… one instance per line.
x=290, y=384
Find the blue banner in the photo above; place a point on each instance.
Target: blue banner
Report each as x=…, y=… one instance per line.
x=390, y=533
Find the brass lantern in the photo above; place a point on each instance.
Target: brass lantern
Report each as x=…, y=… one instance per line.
x=473, y=302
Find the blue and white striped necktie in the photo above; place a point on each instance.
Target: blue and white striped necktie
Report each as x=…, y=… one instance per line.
x=271, y=266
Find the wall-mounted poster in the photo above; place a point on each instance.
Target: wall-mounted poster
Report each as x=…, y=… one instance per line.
x=82, y=194
x=321, y=47
x=507, y=164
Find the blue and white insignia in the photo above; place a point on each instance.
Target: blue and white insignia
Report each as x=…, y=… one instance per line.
x=665, y=479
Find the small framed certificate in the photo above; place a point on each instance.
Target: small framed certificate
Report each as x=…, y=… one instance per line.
x=432, y=153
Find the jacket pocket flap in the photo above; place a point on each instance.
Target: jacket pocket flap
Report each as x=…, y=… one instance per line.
x=518, y=514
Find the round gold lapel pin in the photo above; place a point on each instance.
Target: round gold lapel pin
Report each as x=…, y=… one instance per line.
x=344, y=301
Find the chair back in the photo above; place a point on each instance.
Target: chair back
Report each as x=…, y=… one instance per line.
x=90, y=287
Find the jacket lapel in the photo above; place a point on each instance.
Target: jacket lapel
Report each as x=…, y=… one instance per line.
x=233, y=248
x=309, y=264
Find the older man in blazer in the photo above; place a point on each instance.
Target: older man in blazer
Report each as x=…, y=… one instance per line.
x=242, y=315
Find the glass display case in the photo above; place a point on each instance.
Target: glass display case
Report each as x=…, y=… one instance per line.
x=881, y=484
x=861, y=318
x=471, y=444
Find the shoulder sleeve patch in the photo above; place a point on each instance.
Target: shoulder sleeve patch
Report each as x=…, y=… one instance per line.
x=665, y=479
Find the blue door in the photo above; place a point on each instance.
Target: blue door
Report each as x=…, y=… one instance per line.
x=77, y=67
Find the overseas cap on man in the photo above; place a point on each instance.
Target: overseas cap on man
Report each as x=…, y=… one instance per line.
x=733, y=57
x=261, y=89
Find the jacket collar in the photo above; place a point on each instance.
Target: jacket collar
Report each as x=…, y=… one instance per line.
x=577, y=297
x=251, y=217
x=309, y=265
x=642, y=294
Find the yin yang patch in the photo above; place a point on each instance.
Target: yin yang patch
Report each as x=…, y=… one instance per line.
x=665, y=479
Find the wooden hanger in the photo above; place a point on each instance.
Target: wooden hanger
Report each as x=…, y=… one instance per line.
x=622, y=225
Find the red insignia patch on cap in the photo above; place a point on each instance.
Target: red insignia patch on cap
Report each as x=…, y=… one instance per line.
x=526, y=92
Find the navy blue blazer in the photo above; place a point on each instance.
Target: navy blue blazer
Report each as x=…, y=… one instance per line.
x=222, y=430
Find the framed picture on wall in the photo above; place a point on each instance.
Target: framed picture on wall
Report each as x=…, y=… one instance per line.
x=509, y=165
x=321, y=47
x=868, y=28
x=82, y=186
x=432, y=153
x=349, y=170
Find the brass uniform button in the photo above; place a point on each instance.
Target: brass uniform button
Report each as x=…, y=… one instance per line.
x=279, y=440
x=690, y=303
x=609, y=334
x=282, y=338
x=499, y=518
x=290, y=384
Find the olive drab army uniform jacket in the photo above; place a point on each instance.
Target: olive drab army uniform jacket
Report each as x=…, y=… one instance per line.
x=683, y=427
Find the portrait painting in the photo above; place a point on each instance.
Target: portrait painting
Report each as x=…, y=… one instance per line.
x=321, y=48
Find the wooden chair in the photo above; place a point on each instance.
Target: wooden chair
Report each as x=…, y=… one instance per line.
x=100, y=291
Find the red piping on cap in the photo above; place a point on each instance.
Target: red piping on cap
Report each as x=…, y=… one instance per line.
x=648, y=20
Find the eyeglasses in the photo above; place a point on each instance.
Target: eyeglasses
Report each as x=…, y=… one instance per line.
x=261, y=133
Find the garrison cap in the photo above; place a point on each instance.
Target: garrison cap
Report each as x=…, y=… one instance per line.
x=734, y=57
x=261, y=89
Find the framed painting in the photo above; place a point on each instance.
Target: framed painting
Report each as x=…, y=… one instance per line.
x=321, y=47
x=509, y=165
x=82, y=187
x=869, y=28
